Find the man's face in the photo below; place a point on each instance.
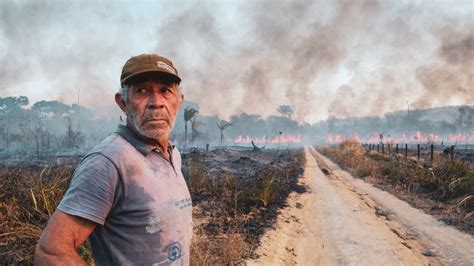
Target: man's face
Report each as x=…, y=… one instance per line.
x=151, y=108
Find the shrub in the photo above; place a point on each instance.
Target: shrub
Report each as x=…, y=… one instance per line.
x=214, y=186
x=230, y=181
x=198, y=174
x=454, y=179
x=364, y=169
x=350, y=153
x=270, y=178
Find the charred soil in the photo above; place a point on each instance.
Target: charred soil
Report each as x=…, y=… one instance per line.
x=236, y=195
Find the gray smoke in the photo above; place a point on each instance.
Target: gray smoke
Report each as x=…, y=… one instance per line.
x=323, y=58
x=453, y=75
x=53, y=50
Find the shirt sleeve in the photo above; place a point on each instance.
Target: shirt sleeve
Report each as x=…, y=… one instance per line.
x=93, y=189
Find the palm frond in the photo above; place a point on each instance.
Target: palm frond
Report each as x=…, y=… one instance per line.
x=189, y=113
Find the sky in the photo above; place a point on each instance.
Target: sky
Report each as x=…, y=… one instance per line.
x=323, y=58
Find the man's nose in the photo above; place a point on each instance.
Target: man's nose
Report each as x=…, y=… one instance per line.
x=155, y=100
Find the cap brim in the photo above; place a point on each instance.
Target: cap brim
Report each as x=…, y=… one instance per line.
x=143, y=75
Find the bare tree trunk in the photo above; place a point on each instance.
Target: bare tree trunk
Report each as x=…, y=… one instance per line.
x=222, y=135
x=37, y=145
x=185, y=134
x=7, y=138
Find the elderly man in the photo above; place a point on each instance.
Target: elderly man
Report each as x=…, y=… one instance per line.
x=128, y=194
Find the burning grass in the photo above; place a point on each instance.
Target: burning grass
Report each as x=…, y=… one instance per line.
x=444, y=188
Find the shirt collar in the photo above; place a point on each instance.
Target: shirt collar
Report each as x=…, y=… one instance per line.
x=137, y=142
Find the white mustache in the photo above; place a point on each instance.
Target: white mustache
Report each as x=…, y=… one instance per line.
x=155, y=116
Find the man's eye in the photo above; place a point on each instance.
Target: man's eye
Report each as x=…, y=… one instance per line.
x=141, y=90
x=166, y=90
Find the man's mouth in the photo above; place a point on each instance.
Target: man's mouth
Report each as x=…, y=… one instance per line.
x=155, y=121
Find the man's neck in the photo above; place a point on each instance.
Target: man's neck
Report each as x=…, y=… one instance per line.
x=163, y=147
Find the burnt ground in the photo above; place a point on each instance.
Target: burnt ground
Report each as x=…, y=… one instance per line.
x=236, y=196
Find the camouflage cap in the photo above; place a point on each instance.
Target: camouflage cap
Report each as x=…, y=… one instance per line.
x=148, y=64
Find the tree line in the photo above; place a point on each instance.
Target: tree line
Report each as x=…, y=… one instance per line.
x=47, y=127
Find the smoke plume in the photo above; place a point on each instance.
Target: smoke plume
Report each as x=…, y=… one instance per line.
x=323, y=58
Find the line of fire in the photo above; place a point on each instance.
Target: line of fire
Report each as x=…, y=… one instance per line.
x=42, y=129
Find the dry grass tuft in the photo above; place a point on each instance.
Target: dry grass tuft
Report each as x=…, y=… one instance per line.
x=227, y=249
x=28, y=198
x=198, y=174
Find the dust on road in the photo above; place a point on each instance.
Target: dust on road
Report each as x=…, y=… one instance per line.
x=345, y=221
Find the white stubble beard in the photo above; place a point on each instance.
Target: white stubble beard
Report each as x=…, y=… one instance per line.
x=151, y=133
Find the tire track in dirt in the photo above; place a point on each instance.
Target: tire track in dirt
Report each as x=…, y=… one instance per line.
x=345, y=221
x=421, y=232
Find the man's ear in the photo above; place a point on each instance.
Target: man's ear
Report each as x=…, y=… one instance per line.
x=181, y=100
x=120, y=102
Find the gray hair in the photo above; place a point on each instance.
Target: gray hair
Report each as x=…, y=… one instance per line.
x=124, y=92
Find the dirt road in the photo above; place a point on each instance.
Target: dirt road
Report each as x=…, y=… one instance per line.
x=345, y=221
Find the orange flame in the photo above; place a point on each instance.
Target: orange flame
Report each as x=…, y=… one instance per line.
x=417, y=138
x=335, y=139
x=278, y=139
x=459, y=138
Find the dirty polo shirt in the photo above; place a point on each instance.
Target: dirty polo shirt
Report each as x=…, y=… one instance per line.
x=138, y=199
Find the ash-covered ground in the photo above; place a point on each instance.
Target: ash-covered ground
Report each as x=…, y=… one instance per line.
x=236, y=195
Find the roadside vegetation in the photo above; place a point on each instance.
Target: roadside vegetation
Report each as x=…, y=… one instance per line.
x=443, y=187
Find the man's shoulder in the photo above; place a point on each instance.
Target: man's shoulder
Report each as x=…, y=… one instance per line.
x=112, y=147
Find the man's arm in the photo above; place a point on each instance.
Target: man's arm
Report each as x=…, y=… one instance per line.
x=62, y=236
